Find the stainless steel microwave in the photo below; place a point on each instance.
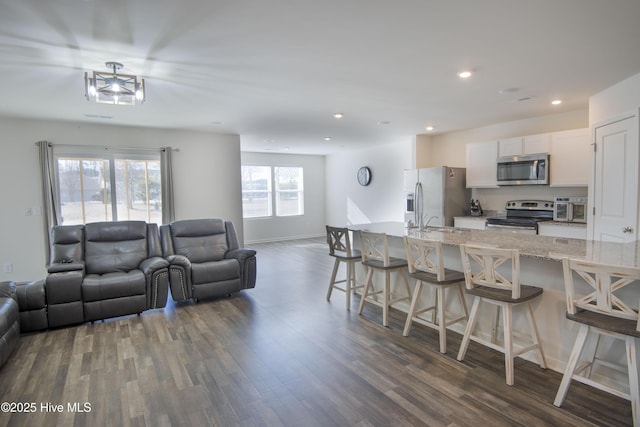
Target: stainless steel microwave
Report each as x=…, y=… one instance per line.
x=529, y=169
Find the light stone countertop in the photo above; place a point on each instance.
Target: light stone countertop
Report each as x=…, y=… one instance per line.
x=543, y=247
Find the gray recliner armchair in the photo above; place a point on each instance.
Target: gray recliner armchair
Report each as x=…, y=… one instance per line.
x=205, y=259
x=105, y=269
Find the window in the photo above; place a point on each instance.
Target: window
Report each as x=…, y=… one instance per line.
x=258, y=198
x=256, y=191
x=109, y=187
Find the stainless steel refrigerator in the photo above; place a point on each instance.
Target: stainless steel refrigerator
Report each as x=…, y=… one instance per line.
x=433, y=196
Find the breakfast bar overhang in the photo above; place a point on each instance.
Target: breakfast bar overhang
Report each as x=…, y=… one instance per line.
x=540, y=265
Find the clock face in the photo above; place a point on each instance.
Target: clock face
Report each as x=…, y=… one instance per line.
x=364, y=175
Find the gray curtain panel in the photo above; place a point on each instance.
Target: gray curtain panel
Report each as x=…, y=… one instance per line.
x=50, y=201
x=166, y=173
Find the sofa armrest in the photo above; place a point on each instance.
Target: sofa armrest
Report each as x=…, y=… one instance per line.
x=8, y=290
x=179, y=260
x=179, y=277
x=241, y=254
x=156, y=274
x=150, y=265
x=247, y=260
x=61, y=267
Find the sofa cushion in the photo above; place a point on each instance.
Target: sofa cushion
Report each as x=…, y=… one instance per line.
x=200, y=240
x=115, y=246
x=113, y=285
x=216, y=271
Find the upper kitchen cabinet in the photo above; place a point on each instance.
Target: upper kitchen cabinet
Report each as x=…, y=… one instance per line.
x=570, y=158
x=520, y=145
x=482, y=165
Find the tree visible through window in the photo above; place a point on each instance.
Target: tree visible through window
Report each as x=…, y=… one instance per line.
x=85, y=185
x=258, y=197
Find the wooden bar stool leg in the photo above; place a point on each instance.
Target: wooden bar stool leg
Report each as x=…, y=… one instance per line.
x=385, y=297
x=507, y=320
x=581, y=338
x=412, y=308
x=442, y=321
x=473, y=317
x=496, y=324
x=367, y=286
x=634, y=387
x=405, y=278
x=535, y=336
x=332, y=282
x=463, y=300
x=348, y=284
x=589, y=351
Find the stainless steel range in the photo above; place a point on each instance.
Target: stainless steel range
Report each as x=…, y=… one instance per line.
x=522, y=216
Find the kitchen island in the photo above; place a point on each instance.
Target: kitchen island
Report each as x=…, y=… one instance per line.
x=540, y=265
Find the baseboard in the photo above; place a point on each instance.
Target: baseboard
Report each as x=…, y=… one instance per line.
x=282, y=239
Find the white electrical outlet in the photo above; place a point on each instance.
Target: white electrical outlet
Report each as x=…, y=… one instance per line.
x=28, y=212
x=8, y=268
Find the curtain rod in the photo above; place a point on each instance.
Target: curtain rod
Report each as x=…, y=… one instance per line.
x=104, y=147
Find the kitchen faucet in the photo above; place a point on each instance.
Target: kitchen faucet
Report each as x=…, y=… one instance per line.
x=429, y=219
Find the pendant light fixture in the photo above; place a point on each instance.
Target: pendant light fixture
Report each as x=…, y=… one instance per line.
x=113, y=88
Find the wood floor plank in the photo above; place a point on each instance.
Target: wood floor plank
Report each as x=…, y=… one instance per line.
x=281, y=355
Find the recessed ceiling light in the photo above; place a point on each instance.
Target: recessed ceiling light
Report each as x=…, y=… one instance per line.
x=508, y=90
x=338, y=115
x=464, y=74
x=327, y=138
x=429, y=128
x=556, y=102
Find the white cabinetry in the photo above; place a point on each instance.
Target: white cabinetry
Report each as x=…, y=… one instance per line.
x=472, y=222
x=554, y=229
x=520, y=145
x=481, y=164
x=570, y=158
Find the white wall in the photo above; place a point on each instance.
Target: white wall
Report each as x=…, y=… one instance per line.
x=620, y=98
x=382, y=200
x=450, y=150
x=206, y=174
x=291, y=227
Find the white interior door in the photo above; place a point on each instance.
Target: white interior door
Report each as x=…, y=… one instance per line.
x=616, y=181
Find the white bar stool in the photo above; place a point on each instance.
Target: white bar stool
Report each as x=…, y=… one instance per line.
x=592, y=302
x=487, y=284
x=426, y=266
x=340, y=248
x=375, y=257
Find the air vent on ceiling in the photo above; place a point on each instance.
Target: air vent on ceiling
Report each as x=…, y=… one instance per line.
x=98, y=116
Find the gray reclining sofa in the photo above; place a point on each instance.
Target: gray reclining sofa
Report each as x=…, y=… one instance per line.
x=105, y=269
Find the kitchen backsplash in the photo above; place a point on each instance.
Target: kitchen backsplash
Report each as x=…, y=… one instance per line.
x=495, y=199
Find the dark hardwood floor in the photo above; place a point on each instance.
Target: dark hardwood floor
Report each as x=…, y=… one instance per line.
x=280, y=354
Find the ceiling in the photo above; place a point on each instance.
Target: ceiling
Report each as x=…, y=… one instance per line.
x=275, y=71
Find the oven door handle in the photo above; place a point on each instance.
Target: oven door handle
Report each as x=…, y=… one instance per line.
x=511, y=227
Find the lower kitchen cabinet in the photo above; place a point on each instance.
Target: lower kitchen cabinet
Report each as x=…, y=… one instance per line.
x=554, y=229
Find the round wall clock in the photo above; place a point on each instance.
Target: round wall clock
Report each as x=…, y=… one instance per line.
x=364, y=175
